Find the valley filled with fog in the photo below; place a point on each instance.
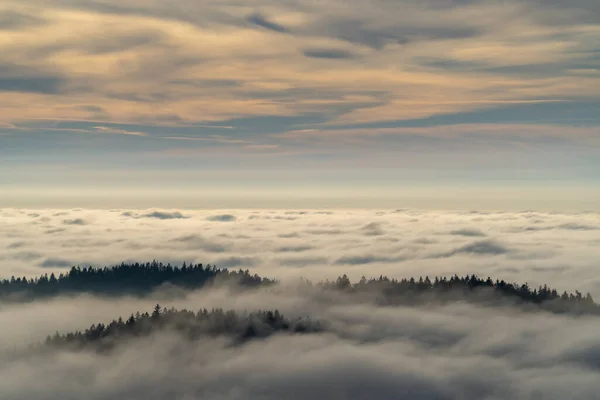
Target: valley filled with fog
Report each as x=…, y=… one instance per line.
x=363, y=349
x=557, y=249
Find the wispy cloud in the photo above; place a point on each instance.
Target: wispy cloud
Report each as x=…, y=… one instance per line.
x=213, y=138
x=389, y=61
x=262, y=146
x=483, y=130
x=115, y=131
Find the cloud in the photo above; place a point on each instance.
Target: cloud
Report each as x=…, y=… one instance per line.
x=512, y=132
x=19, y=77
x=454, y=351
x=316, y=245
x=367, y=259
x=261, y=147
x=468, y=232
x=233, y=262
x=54, y=230
x=197, y=242
x=330, y=54
x=373, y=229
x=222, y=218
x=56, y=263
x=10, y=20
x=528, y=53
x=294, y=249
x=212, y=138
x=577, y=227
x=483, y=247
x=325, y=231
x=289, y=235
x=32, y=84
x=261, y=21
x=156, y=214
x=303, y=261
x=76, y=221
x=114, y=131
x=164, y=215
x=25, y=255
x=16, y=245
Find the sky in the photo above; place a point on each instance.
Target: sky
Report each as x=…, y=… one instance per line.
x=227, y=103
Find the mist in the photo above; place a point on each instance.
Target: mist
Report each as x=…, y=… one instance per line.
x=558, y=249
x=367, y=351
x=430, y=350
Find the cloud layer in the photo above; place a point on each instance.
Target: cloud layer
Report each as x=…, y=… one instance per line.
x=390, y=60
x=454, y=351
x=457, y=351
x=540, y=248
x=136, y=91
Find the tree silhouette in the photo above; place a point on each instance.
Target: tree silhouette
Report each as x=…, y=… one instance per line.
x=142, y=279
x=190, y=325
x=136, y=279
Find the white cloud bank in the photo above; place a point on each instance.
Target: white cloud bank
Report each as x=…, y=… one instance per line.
x=457, y=352
x=560, y=250
x=369, y=352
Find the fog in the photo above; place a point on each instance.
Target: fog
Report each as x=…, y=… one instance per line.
x=452, y=352
x=558, y=249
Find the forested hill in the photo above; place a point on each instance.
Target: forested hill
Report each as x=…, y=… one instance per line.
x=124, y=279
x=188, y=324
x=470, y=288
x=141, y=279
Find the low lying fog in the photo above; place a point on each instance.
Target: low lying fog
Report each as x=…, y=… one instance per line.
x=560, y=250
x=367, y=352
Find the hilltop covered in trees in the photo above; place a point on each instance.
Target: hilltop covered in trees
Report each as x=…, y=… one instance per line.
x=241, y=327
x=468, y=288
x=141, y=279
x=124, y=279
x=190, y=325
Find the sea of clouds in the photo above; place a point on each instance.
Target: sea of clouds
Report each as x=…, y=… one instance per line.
x=369, y=352
x=561, y=250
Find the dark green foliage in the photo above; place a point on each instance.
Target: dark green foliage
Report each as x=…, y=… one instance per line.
x=124, y=279
x=190, y=325
x=141, y=279
x=469, y=288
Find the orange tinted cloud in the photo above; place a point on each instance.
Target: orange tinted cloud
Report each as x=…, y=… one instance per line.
x=209, y=60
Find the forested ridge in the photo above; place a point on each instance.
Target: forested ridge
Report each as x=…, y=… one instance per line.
x=470, y=288
x=143, y=278
x=124, y=279
x=190, y=325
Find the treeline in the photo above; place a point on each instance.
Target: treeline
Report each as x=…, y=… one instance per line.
x=134, y=279
x=140, y=279
x=469, y=288
x=189, y=324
